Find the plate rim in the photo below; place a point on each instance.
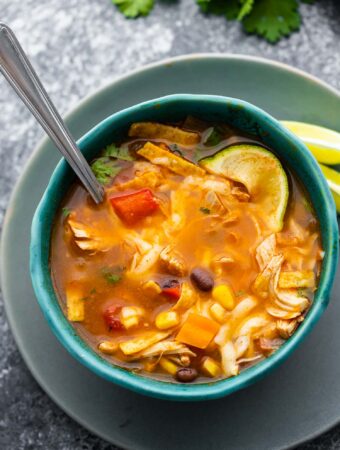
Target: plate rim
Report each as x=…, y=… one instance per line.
x=73, y=111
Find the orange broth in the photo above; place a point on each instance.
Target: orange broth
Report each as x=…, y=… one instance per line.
x=110, y=276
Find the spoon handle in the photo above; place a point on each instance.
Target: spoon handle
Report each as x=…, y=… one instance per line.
x=18, y=71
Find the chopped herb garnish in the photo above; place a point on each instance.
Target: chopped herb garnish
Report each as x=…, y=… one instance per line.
x=112, y=275
x=214, y=138
x=301, y=292
x=66, y=212
x=105, y=169
x=205, y=210
x=93, y=291
x=175, y=149
x=117, y=152
x=270, y=19
x=134, y=8
x=240, y=293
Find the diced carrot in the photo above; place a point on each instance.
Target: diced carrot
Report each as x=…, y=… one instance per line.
x=135, y=206
x=198, y=331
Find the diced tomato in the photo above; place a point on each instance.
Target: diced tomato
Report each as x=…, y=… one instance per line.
x=174, y=293
x=172, y=289
x=131, y=208
x=111, y=318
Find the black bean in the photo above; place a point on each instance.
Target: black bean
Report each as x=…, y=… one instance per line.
x=186, y=374
x=202, y=279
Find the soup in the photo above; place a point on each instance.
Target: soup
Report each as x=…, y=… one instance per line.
x=202, y=260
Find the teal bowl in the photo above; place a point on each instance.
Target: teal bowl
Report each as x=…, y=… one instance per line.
x=249, y=119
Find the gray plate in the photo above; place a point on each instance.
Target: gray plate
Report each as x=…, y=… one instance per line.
x=298, y=401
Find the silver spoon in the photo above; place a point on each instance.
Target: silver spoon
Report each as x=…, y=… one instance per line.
x=18, y=71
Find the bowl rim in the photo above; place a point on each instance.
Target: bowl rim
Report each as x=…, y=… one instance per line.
x=147, y=385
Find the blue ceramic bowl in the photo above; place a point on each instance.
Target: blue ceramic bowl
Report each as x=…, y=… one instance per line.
x=242, y=115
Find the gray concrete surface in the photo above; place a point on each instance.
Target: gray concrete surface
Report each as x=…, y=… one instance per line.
x=77, y=46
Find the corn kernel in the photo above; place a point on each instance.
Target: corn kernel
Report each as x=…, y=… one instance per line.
x=168, y=366
x=210, y=367
x=167, y=319
x=224, y=295
x=218, y=312
x=130, y=316
x=107, y=347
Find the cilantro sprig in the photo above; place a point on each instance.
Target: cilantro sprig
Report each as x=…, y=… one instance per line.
x=118, y=152
x=112, y=274
x=134, y=8
x=105, y=169
x=269, y=19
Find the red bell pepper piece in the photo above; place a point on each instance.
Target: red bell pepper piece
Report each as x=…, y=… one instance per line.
x=131, y=208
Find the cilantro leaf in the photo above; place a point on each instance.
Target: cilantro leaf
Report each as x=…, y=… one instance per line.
x=273, y=19
x=205, y=210
x=66, y=212
x=247, y=6
x=118, y=152
x=230, y=8
x=112, y=278
x=104, y=169
x=112, y=275
x=134, y=8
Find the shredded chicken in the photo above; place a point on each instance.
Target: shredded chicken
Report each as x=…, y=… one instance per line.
x=251, y=324
x=168, y=347
x=262, y=281
x=228, y=358
x=284, y=303
x=173, y=262
x=286, y=328
x=270, y=345
x=266, y=251
x=187, y=299
x=138, y=344
x=141, y=264
x=88, y=238
x=242, y=310
x=241, y=345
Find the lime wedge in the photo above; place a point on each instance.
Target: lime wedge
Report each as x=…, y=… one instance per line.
x=333, y=180
x=322, y=142
x=260, y=172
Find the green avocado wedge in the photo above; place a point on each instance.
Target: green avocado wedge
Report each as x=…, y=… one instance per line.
x=260, y=172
